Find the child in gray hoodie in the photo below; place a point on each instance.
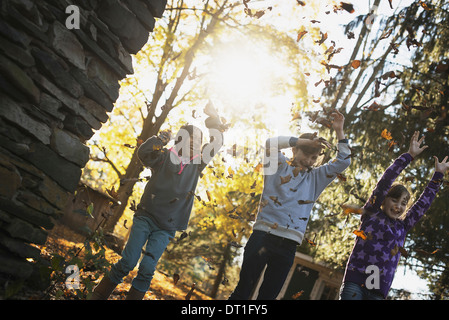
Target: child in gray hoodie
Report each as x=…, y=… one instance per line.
x=290, y=190
x=166, y=203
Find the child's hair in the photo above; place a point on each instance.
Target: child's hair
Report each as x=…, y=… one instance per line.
x=307, y=149
x=190, y=129
x=397, y=190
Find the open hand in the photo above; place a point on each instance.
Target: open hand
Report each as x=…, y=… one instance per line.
x=415, y=145
x=339, y=120
x=442, y=166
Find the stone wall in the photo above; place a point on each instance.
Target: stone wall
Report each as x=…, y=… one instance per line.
x=57, y=85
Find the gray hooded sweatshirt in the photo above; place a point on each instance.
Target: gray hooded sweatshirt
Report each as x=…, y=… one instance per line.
x=169, y=194
x=285, y=208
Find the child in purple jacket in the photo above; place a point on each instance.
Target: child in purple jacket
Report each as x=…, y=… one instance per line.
x=372, y=264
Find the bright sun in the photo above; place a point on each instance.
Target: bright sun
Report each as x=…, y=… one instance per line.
x=245, y=73
x=240, y=74
x=248, y=79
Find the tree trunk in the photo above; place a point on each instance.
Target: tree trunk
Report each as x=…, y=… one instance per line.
x=151, y=127
x=221, y=272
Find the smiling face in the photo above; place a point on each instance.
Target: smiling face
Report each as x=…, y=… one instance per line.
x=396, y=201
x=395, y=207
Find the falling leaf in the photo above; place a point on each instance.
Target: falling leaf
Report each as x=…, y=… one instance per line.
x=275, y=200
x=304, y=201
x=176, y=278
x=331, y=66
x=274, y=226
x=90, y=210
x=355, y=64
x=386, y=34
x=395, y=250
x=313, y=244
x=128, y=146
x=360, y=233
x=348, y=209
x=301, y=34
x=424, y=5
x=208, y=195
x=182, y=237
x=389, y=74
x=174, y=200
x=297, y=170
x=391, y=144
x=253, y=185
x=235, y=244
x=412, y=42
x=341, y=177
x=113, y=193
x=324, y=122
x=386, y=134
x=347, y=6
x=259, y=14
x=323, y=38
x=394, y=47
x=133, y=206
x=297, y=295
x=373, y=107
x=285, y=179
x=124, y=224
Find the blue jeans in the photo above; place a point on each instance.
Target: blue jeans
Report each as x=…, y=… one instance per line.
x=143, y=230
x=263, y=249
x=354, y=291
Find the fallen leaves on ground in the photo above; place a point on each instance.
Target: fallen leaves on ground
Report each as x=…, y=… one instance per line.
x=61, y=239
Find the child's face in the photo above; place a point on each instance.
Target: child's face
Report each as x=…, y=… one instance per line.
x=304, y=160
x=395, y=207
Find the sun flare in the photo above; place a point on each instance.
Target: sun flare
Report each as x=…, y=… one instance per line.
x=244, y=73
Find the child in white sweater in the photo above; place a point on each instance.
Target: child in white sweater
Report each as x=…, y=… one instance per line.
x=290, y=190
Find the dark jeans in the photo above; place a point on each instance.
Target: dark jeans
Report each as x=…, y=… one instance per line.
x=353, y=291
x=263, y=249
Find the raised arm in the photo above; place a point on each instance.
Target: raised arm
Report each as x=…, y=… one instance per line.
x=151, y=152
x=419, y=208
x=328, y=172
x=216, y=129
x=393, y=171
